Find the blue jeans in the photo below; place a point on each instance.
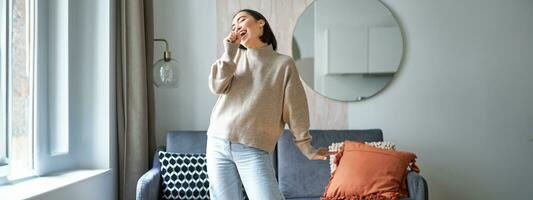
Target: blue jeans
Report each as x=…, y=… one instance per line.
x=231, y=165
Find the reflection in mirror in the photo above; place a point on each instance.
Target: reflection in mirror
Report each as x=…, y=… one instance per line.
x=347, y=50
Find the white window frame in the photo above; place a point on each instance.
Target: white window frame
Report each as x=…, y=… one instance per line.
x=4, y=152
x=6, y=38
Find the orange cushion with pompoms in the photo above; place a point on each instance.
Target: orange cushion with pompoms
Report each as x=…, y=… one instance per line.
x=366, y=172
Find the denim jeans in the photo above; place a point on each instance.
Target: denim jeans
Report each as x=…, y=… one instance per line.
x=231, y=165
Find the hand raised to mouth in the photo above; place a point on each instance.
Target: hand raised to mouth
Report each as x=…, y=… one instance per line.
x=233, y=37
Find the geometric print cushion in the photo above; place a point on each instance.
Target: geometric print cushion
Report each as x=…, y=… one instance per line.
x=184, y=176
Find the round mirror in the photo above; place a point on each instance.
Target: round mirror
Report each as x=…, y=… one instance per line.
x=347, y=50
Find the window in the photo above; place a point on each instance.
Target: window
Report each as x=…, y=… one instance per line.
x=48, y=92
x=17, y=93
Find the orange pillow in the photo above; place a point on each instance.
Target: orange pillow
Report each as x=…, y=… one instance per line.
x=366, y=172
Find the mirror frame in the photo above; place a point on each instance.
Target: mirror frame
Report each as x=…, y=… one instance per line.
x=395, y=75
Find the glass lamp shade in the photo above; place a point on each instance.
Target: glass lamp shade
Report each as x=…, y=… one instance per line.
x=166, y=73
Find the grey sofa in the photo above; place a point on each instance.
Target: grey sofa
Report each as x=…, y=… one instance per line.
x=298, y=177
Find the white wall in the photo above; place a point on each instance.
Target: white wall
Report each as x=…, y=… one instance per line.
x=461, y=100
x=92, y=96
x=189, y=27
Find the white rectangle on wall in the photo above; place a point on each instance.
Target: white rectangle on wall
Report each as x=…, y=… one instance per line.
x=385, y=49
x=346, y=50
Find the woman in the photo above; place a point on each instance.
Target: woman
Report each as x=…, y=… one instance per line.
x=259, y=92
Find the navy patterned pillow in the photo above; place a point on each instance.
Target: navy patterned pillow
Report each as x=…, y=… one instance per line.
x=184, y=176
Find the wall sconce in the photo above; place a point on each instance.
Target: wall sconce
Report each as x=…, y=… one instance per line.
x=166, y=71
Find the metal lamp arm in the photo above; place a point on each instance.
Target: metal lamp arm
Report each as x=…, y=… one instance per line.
x=166, y=54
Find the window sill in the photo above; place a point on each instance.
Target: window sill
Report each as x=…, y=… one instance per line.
x=46, y=183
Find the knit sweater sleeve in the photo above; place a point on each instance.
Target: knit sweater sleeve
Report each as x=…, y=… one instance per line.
x=296, y=111
x=223, y=70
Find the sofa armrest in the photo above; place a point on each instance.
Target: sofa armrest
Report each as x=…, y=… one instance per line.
x=417, y=186
x=155, y=158
x=148, y=185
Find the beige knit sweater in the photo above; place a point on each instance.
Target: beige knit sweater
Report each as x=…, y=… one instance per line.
x=259, y=92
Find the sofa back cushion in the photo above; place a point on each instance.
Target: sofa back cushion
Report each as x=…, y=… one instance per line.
x=299, y=177
x=186, y=141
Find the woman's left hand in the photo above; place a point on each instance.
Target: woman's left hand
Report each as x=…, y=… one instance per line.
x=323, y=154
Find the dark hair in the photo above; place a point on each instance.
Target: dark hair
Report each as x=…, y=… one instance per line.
x=268, y=36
